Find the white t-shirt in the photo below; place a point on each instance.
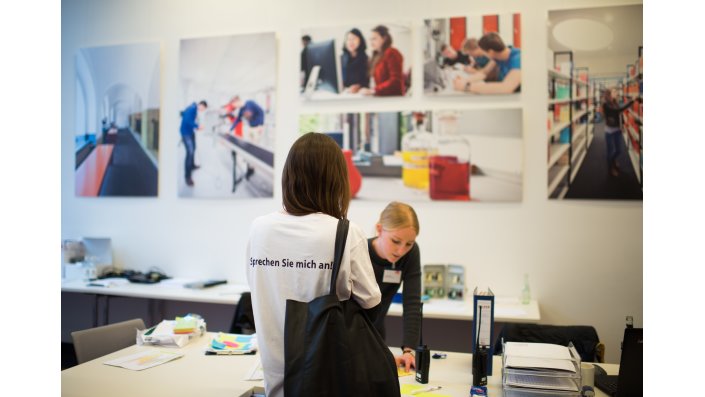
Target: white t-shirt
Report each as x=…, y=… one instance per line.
x=291, y=257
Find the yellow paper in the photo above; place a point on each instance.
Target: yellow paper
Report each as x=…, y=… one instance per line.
x=407, y=389
x=184, y=325
x=401, y=371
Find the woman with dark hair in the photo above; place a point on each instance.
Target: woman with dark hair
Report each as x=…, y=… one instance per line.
x=354, y=62
x=613, y=131
x=290, y=252
x=386, y=65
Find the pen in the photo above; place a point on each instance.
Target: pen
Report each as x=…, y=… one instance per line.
x=432, y=388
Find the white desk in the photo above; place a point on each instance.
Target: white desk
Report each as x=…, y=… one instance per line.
x=506, y=309
x=168, y=290
x=196, y=374
x=448, y=75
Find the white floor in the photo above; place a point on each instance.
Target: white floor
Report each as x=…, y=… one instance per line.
x=214, y=178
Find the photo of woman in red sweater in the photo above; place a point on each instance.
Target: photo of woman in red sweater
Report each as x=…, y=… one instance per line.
x=386, y=65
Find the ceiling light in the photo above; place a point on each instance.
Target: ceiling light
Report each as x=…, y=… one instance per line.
x=583, y=34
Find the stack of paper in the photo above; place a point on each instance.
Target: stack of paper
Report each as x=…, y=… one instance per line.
x=185, y=325
x=173, y=333
x=540, y=366
x=232, y=344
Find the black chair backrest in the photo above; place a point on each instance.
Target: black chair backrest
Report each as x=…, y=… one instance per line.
x=244, y=320
x=584, y=337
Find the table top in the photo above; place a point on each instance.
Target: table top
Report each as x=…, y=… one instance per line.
x=507, y=309
x=493, y=187
x=198, y=374
x=171, y=289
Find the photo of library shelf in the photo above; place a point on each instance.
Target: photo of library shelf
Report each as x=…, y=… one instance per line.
x=595, y=103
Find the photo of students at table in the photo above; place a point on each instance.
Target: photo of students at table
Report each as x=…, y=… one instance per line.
x=472, y=55
x=508, y=61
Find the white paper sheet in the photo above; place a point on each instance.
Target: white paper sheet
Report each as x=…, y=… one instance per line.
x=256, y=373
x=145, y=359
x=540, y=350
x=540, y=363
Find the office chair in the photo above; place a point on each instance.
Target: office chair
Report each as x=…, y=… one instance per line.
x=96, y=342
x=244, y=320
x=584, y=338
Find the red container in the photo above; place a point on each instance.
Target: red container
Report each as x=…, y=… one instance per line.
x=449, y=179
x=353, y=173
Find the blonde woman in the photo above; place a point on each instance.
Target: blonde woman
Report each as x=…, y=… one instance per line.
x=395, y=259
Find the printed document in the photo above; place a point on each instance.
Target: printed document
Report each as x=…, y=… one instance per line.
x=145, y=359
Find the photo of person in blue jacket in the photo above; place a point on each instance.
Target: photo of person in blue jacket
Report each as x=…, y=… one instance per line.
x=189, y=125
x=250, y=111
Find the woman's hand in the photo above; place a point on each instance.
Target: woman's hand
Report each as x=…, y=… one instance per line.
x=354, y=88
x=366, y=91
x=406, y=360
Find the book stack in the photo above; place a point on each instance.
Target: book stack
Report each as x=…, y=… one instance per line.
x=173, y=333
x=540, y=369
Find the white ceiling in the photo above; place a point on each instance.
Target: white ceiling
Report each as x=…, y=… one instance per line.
x=232, y=64
x=626, y=23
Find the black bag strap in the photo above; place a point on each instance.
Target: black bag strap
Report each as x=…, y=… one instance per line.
x=341, y=235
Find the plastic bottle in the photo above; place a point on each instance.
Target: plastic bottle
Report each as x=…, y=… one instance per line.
x=526, y=292
x=416, y=147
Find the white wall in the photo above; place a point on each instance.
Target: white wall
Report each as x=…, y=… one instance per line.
x=584, y=258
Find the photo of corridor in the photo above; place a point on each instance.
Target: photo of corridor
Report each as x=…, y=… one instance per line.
x=227, y=116
x=117, y=121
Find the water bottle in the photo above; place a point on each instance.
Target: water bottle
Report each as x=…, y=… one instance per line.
x=526, y=292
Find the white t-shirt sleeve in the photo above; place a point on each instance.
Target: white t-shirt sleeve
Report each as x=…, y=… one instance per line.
x=362, y=277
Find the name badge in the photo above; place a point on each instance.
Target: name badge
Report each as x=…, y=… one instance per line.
x=392, y=276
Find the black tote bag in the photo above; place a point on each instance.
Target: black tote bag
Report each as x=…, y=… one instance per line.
x=331, y=348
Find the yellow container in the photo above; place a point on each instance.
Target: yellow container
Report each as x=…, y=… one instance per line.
x=416, y=147
x=414, y=172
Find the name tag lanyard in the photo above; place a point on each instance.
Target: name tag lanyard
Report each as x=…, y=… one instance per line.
x=392, y=276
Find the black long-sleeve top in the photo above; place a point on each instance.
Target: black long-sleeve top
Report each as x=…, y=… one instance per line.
x=612, y=111
x=410, y=266
x=355, y=69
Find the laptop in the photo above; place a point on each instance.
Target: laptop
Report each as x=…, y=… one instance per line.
x=629, y=382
